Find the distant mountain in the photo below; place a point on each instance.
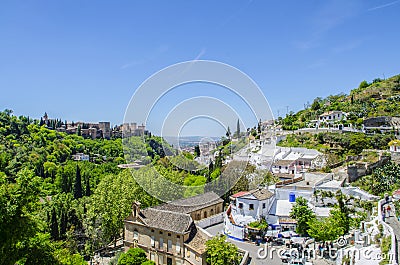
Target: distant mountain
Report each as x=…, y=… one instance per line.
x=189, y=141
x=378, y=98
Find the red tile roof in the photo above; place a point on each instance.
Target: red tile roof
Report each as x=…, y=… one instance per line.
x=240, y=194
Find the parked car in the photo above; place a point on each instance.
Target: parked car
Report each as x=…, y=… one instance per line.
x=299, y=261
x=288, y=255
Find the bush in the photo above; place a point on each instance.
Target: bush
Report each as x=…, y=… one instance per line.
x=134, y=256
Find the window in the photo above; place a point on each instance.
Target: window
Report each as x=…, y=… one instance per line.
x=152, y=242
x=169, y=245
x=212, y=211
x=240, y=205
x=160, y=232
x=196, y=257
x=188, y=253
x=160, y=259
x=263, y=205
x=178, y=262
x=161, y=245
x=135, y=235
x=178, y=236
x=178, y=248
x=251, y=206
x=152, y=257
x=169, y=234
x=205, y=214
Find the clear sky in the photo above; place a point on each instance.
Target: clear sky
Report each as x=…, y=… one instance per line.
x=82, y=60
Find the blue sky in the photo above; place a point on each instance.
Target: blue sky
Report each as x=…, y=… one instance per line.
x=83, y=60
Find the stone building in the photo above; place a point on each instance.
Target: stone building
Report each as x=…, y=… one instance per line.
x=167, y=237
x=198, y=207
x=168, y=232
x=105, y=128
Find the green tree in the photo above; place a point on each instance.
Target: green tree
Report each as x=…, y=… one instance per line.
x=326, y=229
x=134, y=256
x=303, y=215
x=238, y=129
x=54, y=225
x=78, y=184
x=18, y=202
x=220, y=252
x=197, y=151
x=363, y=84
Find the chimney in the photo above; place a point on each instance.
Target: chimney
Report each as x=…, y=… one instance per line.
x=135, y=209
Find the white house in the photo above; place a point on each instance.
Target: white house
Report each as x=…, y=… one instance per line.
x=80, y=157
x=255, y=203
x=332, y=116
x=246, y=207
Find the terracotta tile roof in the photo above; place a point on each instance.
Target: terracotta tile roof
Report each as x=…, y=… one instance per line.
x=240, y=194
x=260, y=194
x=166, y=220
x=191, y=204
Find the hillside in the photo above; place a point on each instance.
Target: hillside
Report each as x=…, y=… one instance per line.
x=378, y=98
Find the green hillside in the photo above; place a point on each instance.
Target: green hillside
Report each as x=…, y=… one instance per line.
x=378, y=98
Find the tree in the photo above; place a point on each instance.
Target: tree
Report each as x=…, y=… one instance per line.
x=323, y=230
x=197, y=150
x=134, y=256
x=149, y=262
x=363, y=84
x=316, y=105
x=238, y=129
x=54, y=225
x=87, y=190
x=220, y=252
x=303, y=215
x=228, y=133
x=78, y=184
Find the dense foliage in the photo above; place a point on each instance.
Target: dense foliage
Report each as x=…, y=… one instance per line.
x=341, y=144
x=134, y=256
x=55, y=210
x=383, y=179
x=378, y=98
x=221, y=252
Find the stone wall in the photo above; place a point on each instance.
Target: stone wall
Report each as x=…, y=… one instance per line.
x=360, y=169
x=210, y=221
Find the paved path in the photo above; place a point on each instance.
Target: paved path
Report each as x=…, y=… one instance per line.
x=253, y=250
x=395, y=224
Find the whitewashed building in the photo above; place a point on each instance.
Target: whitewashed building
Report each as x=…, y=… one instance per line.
x=246, y=207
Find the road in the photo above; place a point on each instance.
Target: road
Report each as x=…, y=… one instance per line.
x=395, y=224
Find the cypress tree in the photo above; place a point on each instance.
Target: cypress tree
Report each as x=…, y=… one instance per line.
x=87, y=192
x=54, y=225
x=238, y=129
x=63, y=224
x=78, y=184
